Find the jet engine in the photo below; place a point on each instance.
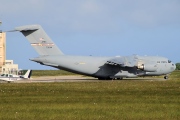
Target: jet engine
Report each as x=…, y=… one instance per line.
x=147, y=67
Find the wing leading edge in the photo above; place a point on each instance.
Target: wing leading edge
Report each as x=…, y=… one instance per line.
x=127, y=61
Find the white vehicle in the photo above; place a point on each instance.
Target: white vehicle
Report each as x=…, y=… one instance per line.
x=11, y=77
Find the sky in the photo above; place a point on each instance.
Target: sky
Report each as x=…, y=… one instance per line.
x=94, y=27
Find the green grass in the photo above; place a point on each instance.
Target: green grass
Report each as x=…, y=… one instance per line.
x=175, y=75
x=136, y=99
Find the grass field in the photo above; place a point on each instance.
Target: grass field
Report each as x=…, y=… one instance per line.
x=135, y=99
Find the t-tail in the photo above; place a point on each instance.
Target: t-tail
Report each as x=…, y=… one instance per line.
x=27, y=74
x=39, y=40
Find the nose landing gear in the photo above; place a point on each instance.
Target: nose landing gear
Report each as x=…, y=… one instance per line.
x=166, y=77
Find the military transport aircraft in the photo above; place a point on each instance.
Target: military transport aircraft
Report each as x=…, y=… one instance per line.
x=118, y=67
x=11, y=77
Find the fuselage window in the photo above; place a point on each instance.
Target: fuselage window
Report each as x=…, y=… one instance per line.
x=10, y=76
x=163, y=61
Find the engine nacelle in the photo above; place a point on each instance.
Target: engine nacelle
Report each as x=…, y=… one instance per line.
x=147, y=67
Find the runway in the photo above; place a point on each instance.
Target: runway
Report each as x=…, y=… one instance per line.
x=47, y=79
x=77, y=78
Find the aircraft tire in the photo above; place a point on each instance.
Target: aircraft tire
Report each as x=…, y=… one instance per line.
x=108, y=78
x=101, y=78
x=120, y=78
x=165, y=77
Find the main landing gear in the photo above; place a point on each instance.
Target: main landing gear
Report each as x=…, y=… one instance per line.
x=104, y=78
x=110, y=78
x=120, y=78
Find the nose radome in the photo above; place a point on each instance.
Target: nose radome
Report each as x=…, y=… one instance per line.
x=174, y=66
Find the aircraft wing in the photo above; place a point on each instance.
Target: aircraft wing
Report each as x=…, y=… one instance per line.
x=127, y=61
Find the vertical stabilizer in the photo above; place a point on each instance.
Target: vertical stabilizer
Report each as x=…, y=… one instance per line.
x=28, y=74
x=39, y=40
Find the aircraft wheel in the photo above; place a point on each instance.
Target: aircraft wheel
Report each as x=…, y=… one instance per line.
x=120, y=78
x=165, y=77
x=100, y=78
x=108, y=78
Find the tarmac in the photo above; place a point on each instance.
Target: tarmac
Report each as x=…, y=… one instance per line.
x=76, y=78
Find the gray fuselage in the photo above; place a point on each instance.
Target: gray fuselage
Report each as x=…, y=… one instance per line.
x=97, y=67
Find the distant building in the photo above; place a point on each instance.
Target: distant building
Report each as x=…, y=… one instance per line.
x=2, y=50
x=6, y=66
x=10, y=67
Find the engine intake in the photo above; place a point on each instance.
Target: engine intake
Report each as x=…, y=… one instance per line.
x=147, y=67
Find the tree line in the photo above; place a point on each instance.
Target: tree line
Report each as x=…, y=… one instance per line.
x=177, y=66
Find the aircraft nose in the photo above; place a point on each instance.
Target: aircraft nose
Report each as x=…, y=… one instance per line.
x=174, y=66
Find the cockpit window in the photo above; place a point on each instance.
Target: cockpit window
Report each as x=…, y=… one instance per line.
x=169, y=61
x=158, y=62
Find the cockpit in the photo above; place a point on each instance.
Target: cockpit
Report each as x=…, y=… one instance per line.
x=169, y=61
x=6, y=75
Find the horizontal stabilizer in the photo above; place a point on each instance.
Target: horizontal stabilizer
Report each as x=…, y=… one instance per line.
x=27, y=28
